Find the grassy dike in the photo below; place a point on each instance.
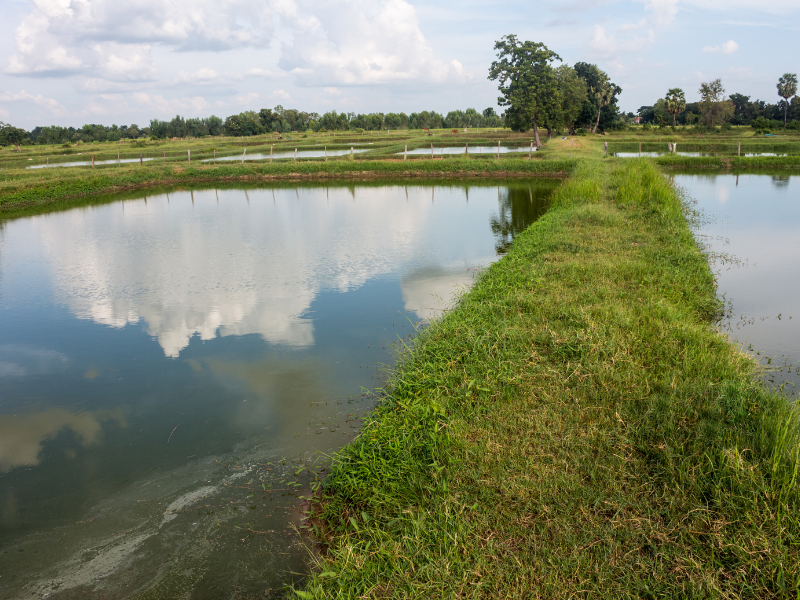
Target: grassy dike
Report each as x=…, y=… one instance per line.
x=20, y=189
x=576, y=428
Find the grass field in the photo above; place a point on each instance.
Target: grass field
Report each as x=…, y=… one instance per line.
x=576, y=428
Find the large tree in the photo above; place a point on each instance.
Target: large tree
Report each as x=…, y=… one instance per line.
x=676, y=103
x=527, y=82
x=599, y=110
x=11, y=135
x=787, y=87
x=713, y=106
x=572, y=90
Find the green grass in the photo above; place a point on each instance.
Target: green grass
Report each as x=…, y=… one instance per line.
x=576, y=428
x=19, y=189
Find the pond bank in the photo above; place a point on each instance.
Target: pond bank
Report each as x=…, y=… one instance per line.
x=577, y=427
x=42, y=187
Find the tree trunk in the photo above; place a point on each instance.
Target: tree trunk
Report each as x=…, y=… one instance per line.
x=785, y=112
x=596, y=125
x=674, y=119
x=536, y=134
x=18, y=148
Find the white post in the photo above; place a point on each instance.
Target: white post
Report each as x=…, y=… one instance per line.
x=351, y=153
x=47, y=161
x=605, y=145
x=244, y=154
x=189, y=154
x=674, y=147
x=739, y=152
x=295, y=153
x=530, y=151
x=405, y=153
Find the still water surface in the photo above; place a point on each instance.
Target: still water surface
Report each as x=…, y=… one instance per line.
x=171, y=368
x=754, y=230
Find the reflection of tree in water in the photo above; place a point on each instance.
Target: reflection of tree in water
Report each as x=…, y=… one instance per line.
x=518, y=208
x=780, y=181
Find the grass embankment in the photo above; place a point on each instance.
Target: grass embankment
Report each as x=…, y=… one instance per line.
x=576, y=428
x=48, y=186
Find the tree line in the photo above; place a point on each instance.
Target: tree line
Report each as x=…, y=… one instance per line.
x=716, y=109
x=249, y=123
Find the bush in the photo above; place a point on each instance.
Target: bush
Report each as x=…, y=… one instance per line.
x=582, y=131
x=761, y=125
x=646, y=127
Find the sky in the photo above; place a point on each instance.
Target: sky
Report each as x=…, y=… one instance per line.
x=70, y=62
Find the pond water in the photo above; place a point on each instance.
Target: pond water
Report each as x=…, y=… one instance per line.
x=87, y=163
x=288, y=154
x=754, y=230
x=439, y=151
x=174, y=367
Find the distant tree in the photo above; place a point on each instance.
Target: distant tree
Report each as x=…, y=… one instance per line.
x=10, y=135
x=676, y=103
x=787, y=87
x=489, y=112
x=713, y=106
x=527, y=81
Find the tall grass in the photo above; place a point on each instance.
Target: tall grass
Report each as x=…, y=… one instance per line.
x=576, y=428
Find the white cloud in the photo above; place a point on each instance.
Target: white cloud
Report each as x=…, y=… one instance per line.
x=281, y=95
x=362, y=42
x=259, y=73
x=607, y=46
x=728, y=47
x=663, y=11
x=332, y=90
x=200, y=76
x=246, y=99
x=157, y=103
x=50, y=104
x=633, y=26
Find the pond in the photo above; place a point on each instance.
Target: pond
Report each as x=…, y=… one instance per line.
x=440, y=151
x=288, y=154
x=88, y=163
x=174, y=367
x=753, y=230
x=695, y=154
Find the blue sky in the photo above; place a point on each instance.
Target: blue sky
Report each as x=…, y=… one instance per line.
x=70, y=62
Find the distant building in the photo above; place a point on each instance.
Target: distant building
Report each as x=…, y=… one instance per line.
x=637, y=120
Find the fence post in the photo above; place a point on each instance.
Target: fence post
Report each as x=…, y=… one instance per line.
x=141, y=162
x=431, y=151
x=215, y=156
x=530, y=151
x=405, y=153
x=739, y=151
x=118, y=156
x=498, y=149
x=351, y=153
x=47, y=161
x=189, y=154
x=93, y=161
x=244, y=154
x=605, y=145
x=326, y=154
x=295, y=153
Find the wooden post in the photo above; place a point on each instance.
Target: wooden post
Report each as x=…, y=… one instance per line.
x=605, y=145
x=739, y=152
x=244, y=154
x=530, y=151
x=189, y=155
x=674, y=147
x=351, y=153
x=405, y=153
x=498, y=149
x=295, y=153
x=47, y=161
x=215, y=156
x=93, y=161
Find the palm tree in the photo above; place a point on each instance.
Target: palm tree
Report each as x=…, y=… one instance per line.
x=787, y=87
x=676, y=103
